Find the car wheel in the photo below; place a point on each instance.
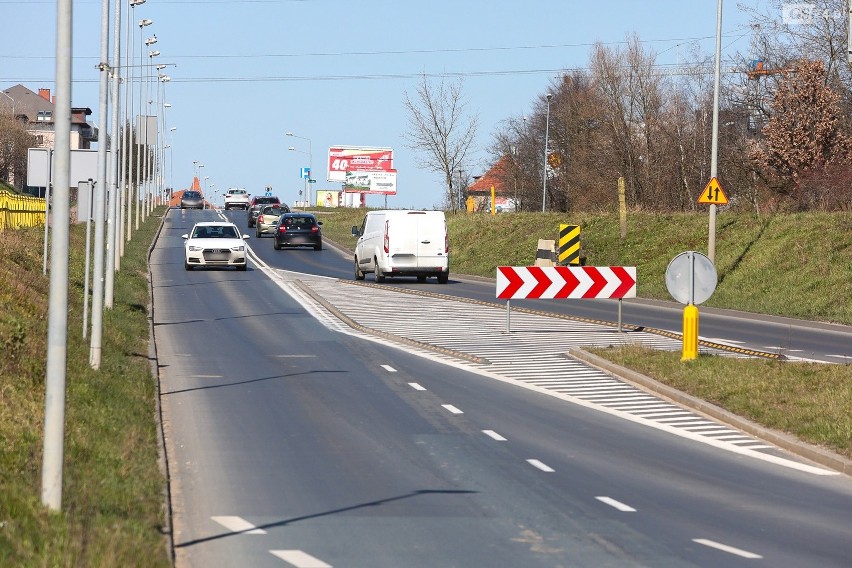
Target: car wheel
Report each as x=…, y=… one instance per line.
x=276, y=245
x=443, y=277
x=187, y=266
x=380, y=276
x=257, y=233
x=242, y=267
x=359, y=274
x=318, y=246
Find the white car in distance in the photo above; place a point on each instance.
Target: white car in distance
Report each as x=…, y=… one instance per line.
x=215, y=243
x=237, y=199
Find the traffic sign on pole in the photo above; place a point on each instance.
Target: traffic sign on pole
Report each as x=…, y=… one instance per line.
x=713, y=194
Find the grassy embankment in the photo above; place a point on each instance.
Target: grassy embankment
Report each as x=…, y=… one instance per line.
x=113, y=501
x=112, y=514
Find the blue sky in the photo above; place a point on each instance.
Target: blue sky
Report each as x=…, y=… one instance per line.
x=244, y=72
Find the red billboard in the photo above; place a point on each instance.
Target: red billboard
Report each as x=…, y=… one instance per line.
x=343, y=159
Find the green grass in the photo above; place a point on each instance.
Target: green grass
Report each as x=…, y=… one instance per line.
x=113, y=501
x=113, y=504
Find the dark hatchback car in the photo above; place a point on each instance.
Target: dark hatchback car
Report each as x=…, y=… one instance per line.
x=298, y=230
x=258, y=203
x=191, y=200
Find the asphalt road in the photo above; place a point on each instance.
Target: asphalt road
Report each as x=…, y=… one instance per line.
x=291, y=444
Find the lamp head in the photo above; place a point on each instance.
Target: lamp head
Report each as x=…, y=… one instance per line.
x=145, y=22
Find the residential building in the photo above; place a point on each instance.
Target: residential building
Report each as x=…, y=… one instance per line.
x=37, y=110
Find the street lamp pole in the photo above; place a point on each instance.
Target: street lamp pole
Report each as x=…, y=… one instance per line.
x=310, y=151
x=292, y=149
x=127, y=166
x=138, y=186
x=149, y=153
x=546, y=141
x=99, y=197
x=310, y=161
x=114, y=201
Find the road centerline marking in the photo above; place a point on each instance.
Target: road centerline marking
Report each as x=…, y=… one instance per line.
x=452, y=409
x=417, y=386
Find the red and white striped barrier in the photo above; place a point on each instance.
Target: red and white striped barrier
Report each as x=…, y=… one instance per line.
x=565, y=282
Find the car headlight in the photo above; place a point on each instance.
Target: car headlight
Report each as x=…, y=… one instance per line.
x=194, y=248
x=239, y=248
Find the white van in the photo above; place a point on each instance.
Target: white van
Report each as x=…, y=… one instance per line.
x=402, y=243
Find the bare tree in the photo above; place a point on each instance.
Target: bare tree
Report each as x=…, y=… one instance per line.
x=440, y=130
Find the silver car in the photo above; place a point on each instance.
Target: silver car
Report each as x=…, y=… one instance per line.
x=215, y=243
x=267, y=220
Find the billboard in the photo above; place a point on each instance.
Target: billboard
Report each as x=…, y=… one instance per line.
x=342, y=159
x=371, y=182
x=327, y=198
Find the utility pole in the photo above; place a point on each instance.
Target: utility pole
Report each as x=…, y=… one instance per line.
x=714, y=151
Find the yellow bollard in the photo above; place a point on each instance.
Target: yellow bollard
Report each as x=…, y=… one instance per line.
x=690, y=333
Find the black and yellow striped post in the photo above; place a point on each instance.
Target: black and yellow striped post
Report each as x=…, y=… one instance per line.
x=569, y=245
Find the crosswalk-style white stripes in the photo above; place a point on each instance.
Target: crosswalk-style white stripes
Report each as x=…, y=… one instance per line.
x=533, y=354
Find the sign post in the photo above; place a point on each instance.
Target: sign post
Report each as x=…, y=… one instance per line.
x=691, y=279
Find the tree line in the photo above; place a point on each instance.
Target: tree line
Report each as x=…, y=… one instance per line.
x=784, y=129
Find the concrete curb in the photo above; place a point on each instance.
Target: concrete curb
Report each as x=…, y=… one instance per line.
x=816, y=454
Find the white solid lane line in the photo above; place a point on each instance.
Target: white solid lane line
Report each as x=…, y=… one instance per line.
x=726, y=548
x=542, y=466
x=299, y=559
x=452, y=409
x=494, y=435
x=388, y=368
x=416, y=387
x=238, y=525
x=616, y=504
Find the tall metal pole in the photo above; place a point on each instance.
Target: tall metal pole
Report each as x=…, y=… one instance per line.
x=139, y=121
x=100, y=196
x=546, y=142
x=714, y=151
x=57, y=334
x=114, y=190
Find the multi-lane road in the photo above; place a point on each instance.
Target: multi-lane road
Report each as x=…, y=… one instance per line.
x=311, y=422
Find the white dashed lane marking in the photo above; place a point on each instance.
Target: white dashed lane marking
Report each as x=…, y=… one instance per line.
x=542, y=466
x=726, y=548
x=452, y=409
x=616, y=504
x=494, y=435
x=238, y=525
x=388, y=368
x=299, y=559
x=416, y=387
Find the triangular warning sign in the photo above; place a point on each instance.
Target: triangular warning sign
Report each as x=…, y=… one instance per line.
x=713, y=194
